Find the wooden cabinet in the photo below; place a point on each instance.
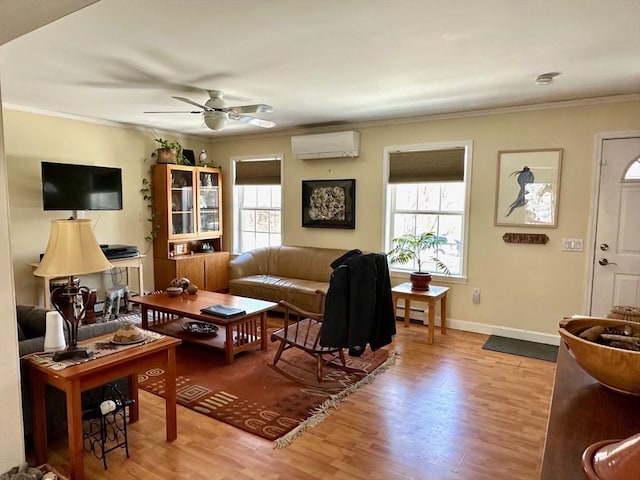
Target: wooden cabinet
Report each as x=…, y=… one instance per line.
x=187, y=204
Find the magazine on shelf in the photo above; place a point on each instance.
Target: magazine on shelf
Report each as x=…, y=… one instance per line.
x=224, y=311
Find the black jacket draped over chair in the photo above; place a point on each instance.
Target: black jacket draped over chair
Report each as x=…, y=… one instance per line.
x=359, y=307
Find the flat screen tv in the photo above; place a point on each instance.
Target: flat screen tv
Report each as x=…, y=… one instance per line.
x=67, y=186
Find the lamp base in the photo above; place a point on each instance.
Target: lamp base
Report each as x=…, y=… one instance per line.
x=72, y=352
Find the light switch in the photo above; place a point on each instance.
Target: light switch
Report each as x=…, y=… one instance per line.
x=572, y=244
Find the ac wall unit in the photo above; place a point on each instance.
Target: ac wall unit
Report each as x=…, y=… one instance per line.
x=326, y=145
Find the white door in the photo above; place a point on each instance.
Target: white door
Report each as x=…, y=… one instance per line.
x=616, y=267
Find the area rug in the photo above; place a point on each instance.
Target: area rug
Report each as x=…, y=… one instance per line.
x=524, y=348
x=253, y=397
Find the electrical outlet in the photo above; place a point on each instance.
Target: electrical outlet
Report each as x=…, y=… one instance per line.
x=475, y=298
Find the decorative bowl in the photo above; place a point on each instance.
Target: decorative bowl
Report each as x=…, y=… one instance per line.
x=612, y=459
x=128, y=334
x=203, y=329
x=174, y=291
x=615, y=368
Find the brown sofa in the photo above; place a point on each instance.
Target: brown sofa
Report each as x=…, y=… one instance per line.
x=286, y=273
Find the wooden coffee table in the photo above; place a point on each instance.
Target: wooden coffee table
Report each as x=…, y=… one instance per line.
x=167, y=315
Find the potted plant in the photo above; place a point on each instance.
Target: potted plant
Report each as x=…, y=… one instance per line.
x=169, y=152
x=412, y=247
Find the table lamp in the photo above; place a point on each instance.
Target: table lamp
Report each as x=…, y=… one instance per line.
x=72, y=250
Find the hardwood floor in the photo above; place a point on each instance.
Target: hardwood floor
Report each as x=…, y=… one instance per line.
x=445, y=411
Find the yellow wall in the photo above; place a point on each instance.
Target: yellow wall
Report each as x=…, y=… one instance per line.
x=524, y=287
x=32, y=138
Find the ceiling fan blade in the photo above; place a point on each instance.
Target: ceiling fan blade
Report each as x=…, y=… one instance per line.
x=191, y=102
x=258, y=122
x=258, y=108
x=177, y=111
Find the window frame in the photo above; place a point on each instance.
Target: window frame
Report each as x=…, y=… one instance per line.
x=236, y=235
x=462, y=277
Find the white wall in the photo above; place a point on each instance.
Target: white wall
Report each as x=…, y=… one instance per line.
x=11, y=441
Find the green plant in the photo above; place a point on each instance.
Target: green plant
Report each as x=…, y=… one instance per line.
x=410, y=247
x=176, y=146
x=147, y=196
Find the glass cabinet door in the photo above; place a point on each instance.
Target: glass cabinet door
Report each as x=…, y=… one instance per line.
x=182, y=205
x=209, y=198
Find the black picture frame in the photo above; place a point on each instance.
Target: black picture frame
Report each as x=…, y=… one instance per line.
x=329, y=203
x=189, y=156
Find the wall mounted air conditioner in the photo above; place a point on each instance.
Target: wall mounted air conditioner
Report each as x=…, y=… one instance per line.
x=326, y=145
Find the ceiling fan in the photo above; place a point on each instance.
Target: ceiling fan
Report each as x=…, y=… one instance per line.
x=215, y=113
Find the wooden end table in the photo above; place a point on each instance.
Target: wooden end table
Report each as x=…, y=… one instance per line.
x=75, y=379
x=164, y=314
x=430, y=297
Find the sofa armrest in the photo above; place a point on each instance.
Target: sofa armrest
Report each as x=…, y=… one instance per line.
x=243, y=265
x=30, y=345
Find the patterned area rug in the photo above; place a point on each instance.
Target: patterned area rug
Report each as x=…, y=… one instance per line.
x=253, y=397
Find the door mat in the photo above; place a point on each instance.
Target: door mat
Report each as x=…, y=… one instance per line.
x=524, y=348
x=253, y=397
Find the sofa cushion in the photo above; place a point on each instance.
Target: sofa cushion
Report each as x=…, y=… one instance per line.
x=32, y=320
x=301, y=293
x=306, y=263
x=289, y=273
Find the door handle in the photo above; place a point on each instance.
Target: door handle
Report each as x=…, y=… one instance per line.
x=604, y=262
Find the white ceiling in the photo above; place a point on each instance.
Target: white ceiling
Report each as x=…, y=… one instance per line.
x=318, y=62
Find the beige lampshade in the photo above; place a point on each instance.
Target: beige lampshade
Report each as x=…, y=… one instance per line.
x=72, y=250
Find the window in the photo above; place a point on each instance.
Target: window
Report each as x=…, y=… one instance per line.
x=633, y=172
x=257, y=203
x=428, y=191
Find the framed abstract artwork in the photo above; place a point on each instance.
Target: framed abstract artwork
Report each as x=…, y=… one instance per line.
x=329, y=203
x=528, y=187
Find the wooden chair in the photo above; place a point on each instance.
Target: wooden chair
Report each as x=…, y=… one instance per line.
x=303, y=332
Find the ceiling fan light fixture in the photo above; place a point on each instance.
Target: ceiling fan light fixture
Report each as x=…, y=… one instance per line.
x=215, y=120
x=546, y=78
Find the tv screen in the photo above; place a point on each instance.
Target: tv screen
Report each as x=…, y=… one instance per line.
x=67, y=186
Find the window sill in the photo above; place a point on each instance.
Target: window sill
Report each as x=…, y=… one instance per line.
x=451, y=279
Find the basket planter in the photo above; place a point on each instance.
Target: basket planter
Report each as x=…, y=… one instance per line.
x=166, y=155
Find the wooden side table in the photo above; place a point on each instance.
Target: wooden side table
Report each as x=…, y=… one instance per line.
x=75, y=379
x=430, y=297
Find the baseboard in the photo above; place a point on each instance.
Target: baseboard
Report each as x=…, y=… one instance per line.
x=418, y=315
x=503, y=331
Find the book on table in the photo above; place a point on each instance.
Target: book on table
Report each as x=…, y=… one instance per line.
x=224, y=311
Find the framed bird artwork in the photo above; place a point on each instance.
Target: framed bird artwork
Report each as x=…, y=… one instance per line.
x=528, y=187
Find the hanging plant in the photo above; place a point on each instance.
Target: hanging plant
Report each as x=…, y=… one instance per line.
x=147, y=195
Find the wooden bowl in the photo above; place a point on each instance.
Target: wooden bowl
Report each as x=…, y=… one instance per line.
x=615, y=368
